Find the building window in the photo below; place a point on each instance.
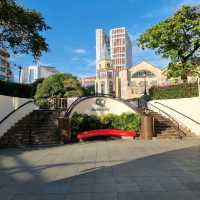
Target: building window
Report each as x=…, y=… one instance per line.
x=110, y=87
x=102, y=74
x=2, y=69
x=109, y=74
x=142, y=74
x=2, y=77
x=102, y=87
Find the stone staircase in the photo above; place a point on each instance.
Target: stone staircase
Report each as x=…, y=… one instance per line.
x=164, y=128
x=37, y=128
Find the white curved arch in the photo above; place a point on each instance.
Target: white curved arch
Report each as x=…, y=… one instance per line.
x=101, y=106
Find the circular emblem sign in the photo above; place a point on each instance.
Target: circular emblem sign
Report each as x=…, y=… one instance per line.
x=100, y=102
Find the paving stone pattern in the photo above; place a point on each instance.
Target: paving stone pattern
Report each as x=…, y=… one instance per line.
x=113, y=170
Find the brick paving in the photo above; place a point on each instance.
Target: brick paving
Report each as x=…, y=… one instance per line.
x=113, y=170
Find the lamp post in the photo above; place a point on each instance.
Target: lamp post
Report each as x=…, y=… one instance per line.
x=20, y=70
x=145, y=83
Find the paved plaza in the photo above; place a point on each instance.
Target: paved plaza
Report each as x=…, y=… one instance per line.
x=113, y=170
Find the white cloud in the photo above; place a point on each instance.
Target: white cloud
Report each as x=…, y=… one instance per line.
x=79, y=51
x=45, y=64
x=91, y=62
x=85, y=74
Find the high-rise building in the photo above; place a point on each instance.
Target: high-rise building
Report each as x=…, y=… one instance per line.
x=113, y=53
x=5, y=71
x=102, y=44
x=32, y=73
x=121, y=48
x=117, y=46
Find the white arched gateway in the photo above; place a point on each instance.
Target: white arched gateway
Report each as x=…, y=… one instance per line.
x=99, y=105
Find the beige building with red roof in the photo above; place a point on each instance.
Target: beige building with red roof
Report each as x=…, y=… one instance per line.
x=88, y=81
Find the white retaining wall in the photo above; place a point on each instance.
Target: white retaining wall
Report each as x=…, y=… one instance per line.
x=7, y=105
x=187, y=106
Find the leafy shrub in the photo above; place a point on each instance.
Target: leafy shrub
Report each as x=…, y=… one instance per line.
x=34, y=86
x=58, y=85
x=89, y=90
x=174, y=91
x=84, y=122
x=18, y=90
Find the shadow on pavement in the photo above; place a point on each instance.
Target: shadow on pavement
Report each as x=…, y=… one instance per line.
x=171, y=175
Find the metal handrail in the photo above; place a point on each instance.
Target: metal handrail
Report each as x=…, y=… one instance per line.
x=13, y=111
x=170, y=117
x=178, y=112
x=57, y=103
x=72, y=105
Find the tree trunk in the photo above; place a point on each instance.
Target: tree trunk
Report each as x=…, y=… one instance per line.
x=184, y=77
x=184, y=72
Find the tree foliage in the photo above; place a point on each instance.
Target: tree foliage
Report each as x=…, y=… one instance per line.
x=19, y=90
x=20, y=29
x=58, y=85
x=176, y=38
x=89, y=90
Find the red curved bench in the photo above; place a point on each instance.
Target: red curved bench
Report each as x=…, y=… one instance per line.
x=106, y=132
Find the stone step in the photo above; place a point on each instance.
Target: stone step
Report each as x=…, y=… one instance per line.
x=43, y=127
x=168, y=137
x=165, y=129
x=168, y=133
x=35, y=126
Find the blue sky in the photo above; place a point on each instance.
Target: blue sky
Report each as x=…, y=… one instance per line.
x=73, y=22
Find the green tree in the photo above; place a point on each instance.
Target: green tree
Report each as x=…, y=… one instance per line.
x=58, y=85
x=178, y=39
x=34, y=85
x=89, y=90
x=20, y=29
x=72, y=87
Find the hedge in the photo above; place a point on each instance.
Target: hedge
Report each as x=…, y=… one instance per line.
x=18, y=90
x=174, y=91
x=84, y=122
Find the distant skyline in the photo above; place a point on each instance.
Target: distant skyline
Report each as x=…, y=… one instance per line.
x=74, y=22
